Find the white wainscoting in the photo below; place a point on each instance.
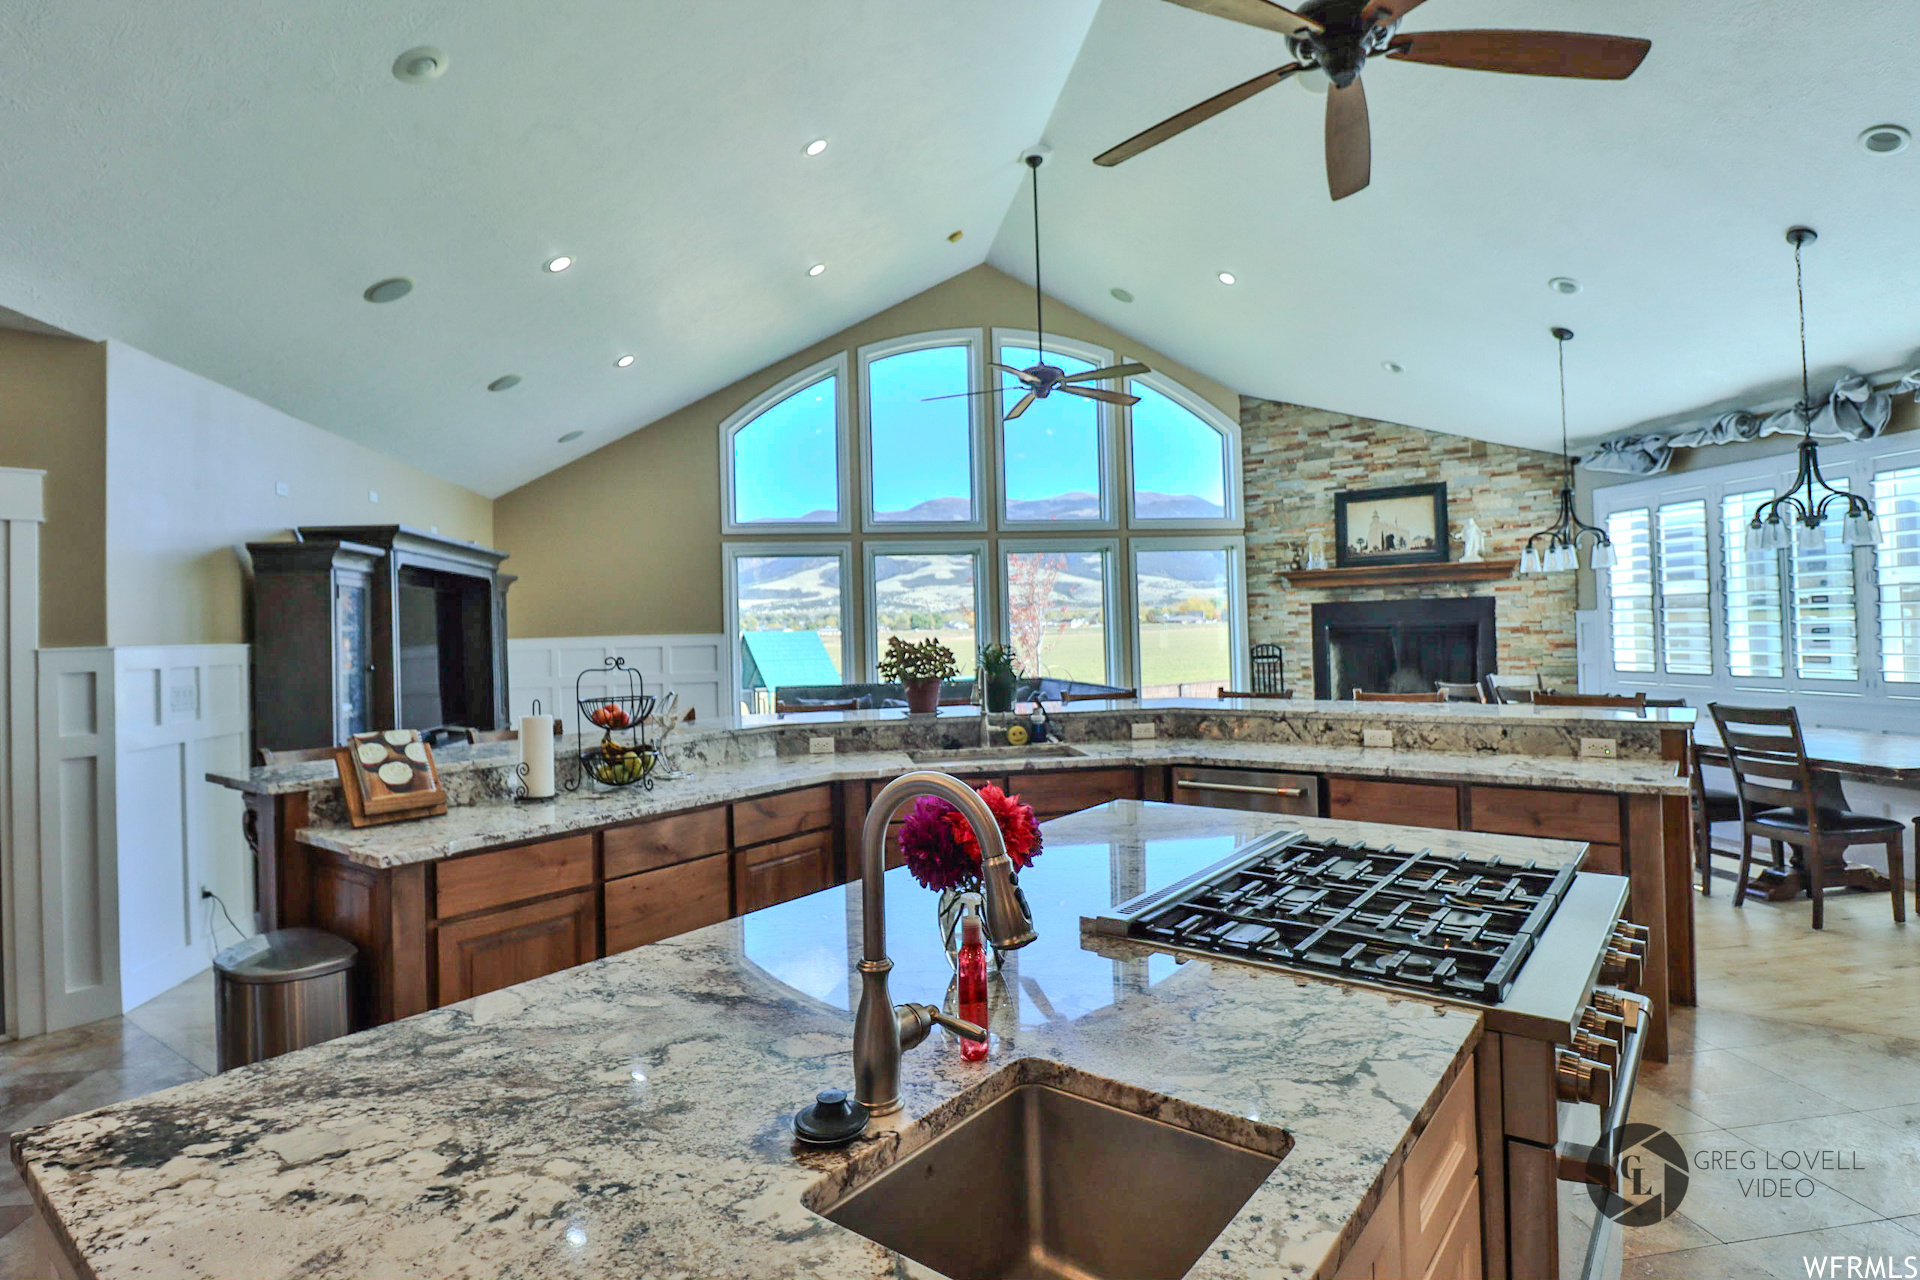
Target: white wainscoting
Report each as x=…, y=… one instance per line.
x=181, y=711
x=694, y=666
x=78, y=876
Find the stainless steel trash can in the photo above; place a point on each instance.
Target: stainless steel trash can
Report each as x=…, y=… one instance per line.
x=279, y=992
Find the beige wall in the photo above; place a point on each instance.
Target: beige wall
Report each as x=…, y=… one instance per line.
x=626, y=541
x=191, y=474
x=53, y=406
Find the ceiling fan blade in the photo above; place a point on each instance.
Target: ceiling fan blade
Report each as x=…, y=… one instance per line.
x=1193, y=115
x=1100, y=393
x=962, y=395
x=1572, y=54
x=1128, y=370
x=1385, y=11
x=1021, y=374
x=1255, y=13
x=1021, y=407
x=1349, y=140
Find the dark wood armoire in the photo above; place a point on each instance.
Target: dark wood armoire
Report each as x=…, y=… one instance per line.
x=359, y=627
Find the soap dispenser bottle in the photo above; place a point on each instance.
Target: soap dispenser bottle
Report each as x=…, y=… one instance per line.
x=1037, y=722
x=971, y=965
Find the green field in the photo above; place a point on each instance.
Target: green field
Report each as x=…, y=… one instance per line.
x=1169, y=653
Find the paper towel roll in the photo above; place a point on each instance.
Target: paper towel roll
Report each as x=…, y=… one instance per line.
x=536, y=751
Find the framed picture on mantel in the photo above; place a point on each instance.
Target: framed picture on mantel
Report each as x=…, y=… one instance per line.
x=1403, y=525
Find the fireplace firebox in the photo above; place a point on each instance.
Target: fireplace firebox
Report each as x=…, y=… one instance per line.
x=1400, y=646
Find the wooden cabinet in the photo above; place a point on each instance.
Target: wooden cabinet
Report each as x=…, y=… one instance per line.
x=1428, y=1220
x=482, y=880
x=1065, y=791
x=782, y=870
x=773, y=817
x=670, y=901
x=486, y=952
x=1554, y=815
x=313, y=655
x=1376, y=1254
x=1409, y=804
x=661, y=842
x=1459, y=1255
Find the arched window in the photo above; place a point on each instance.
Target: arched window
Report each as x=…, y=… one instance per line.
x=1184, y=455
x=784, y=455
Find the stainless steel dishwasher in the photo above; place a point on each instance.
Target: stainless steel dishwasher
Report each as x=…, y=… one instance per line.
x=1257, y=789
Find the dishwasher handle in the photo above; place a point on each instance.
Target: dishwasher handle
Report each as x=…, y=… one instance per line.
x=1292, y=793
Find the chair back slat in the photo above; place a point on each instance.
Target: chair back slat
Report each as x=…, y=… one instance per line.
x=1622, y=701
x=1361, y=695
x=1769, y=760
x=1453, y=691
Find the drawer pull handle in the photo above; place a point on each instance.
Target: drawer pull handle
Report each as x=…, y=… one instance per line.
x=1294, y=792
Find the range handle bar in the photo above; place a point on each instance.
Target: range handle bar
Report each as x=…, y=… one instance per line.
x=1291, y=792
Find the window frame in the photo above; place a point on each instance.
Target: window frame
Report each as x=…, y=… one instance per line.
x=837, y=366
x=1237, y=639
x=1118, y=641
x=983, y=615
x=733, y=552
x=1714, y=594
x=1233, y=486
x=1106, y=417
x=974, y=341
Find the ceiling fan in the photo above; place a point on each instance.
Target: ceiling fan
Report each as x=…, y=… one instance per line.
x=1042, y=379
x=1338, y=36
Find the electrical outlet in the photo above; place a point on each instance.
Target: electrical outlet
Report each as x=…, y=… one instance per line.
x=1143, y=729
x=820, y=746
x=1377, y=738
x=1599, y=748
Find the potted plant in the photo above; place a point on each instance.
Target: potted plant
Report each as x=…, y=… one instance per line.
x=919, y=669
x=998, y=676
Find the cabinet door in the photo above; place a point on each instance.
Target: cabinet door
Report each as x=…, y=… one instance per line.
x=1440, y=1176
x=1376, y=1254
x=1408, y=804
x=668, y=902
x=1459, y=1254
x=1055, y=794
x=352, y=654
x=782, y=870
x=487, y=952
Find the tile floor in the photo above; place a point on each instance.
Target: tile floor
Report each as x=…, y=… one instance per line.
x=1803, y=1041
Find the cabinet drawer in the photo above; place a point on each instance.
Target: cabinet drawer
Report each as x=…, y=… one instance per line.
x=662, y=842
x=500, y=948
x=1069, y=791
x=782, y=870
x=512, y=875
x=1410, y=804
x=664, y=903
x=1439, y=1175
x=771, y=817
x=1254, y=789
x=1555, y=815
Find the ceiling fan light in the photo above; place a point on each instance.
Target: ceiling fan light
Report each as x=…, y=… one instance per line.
x=1314, y=81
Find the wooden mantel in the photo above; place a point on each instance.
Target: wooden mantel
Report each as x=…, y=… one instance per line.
x=1399, y=575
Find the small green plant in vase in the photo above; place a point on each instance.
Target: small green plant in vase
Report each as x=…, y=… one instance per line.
x=998, y=677
x=919, y=669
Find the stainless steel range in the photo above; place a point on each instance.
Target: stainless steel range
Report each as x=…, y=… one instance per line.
x=1541, y=951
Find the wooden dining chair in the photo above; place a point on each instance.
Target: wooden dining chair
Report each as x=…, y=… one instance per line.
x=494, y=735
x=1621, y=701
x=1451, y=691
x=1225, y=692
x=301, y=755
x=1782, y=798
x=1361, y=695
x=1512, y=688
x=1067, y=695
x=796, y=708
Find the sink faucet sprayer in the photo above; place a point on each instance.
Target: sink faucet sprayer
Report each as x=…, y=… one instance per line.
x=881, y=1031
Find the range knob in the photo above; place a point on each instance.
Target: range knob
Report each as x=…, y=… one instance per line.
x=1598, y=1048
x=1620, y=968
x=1608, y=1004
x=1581, y=1079
x=1607, y=1026
x=1629, y=937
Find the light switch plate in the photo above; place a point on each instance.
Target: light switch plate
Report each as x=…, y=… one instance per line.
x=1599, y=748
x=1143, y=730
x=1377, y=738
x=820, y=746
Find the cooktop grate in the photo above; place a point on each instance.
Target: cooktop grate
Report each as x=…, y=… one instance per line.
x=1455, y=926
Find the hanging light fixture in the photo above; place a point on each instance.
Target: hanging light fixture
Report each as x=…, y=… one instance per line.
x=1561, y=539
x=1809, y=496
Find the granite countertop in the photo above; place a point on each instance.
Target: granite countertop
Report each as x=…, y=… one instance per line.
x=467, y=828
x=631, y=1116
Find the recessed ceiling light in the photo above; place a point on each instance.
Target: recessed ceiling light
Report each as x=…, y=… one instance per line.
x=1393, y=366
x=1120, y=295
x=623, y=362
x=506, y=382
x=558, y=264
x=417, y=66
x=1564, y=284
x=815, y=147
x=1885, y=139
x=1226, y=277
x=389, y=290
x=571, y=436
x=816, y=268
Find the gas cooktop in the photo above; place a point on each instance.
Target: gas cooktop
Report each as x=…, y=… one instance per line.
x=1454, y=926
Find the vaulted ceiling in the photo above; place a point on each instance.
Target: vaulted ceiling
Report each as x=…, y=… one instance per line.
x=219, y=192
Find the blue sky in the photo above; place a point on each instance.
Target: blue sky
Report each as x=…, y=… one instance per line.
x=783, y=467
x=921, y=450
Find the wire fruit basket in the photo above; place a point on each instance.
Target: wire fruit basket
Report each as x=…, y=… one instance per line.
x=624, y=756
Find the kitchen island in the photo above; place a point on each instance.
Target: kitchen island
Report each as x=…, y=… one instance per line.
x=632, y=1115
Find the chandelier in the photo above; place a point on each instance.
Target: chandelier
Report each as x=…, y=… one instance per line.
x=1561, y=539
x=1809, y=496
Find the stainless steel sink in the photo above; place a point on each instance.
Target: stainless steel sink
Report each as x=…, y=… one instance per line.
x=988, y=755
x=1044, y=1183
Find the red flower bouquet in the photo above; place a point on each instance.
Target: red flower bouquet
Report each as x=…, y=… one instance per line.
x=941, y=851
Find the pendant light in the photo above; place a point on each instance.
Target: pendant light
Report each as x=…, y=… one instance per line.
x=1561, y=539
x=1809, y=496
